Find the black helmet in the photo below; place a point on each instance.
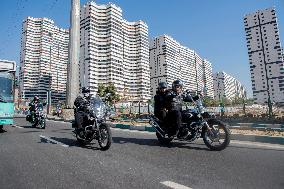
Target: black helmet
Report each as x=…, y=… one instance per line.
x=85, y=90
x=36, y=98
x=177, y=83
x=162, y=85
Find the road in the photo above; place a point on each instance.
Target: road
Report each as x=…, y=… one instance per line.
x=50, y=158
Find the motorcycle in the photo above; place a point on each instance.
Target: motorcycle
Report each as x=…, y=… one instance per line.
x=58, y=111
x=39, y=117
x=197, y=123
x=95, y=126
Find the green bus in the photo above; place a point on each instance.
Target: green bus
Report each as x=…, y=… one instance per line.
x=6, y=98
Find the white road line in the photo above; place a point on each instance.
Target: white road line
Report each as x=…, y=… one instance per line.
x=17, y=126
x=174, y=185
x=54, y=141
x=63, y=122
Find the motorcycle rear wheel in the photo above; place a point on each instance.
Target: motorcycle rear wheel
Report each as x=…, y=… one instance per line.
x=105, y=137
x=216, y=127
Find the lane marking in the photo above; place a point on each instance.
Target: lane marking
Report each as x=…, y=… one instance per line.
x=63, y=122
x=174, y=185
x=54, y=141
x=17, y=126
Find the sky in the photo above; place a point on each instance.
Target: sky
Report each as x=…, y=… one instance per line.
x=213, y=28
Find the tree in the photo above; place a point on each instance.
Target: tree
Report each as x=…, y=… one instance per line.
x=109, y=92
x=101, y=90
x=209, y=102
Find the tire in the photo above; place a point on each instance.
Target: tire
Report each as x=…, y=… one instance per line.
x=81, y=142
x=162, y=140
x=206, y=137
x=43, y=123
x=105, y=139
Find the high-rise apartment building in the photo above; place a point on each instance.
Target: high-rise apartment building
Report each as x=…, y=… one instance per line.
x=226, y=86
x=43, y=59
x=113, y=50
x=265, y=56
x=169, y=60
x=208, y=78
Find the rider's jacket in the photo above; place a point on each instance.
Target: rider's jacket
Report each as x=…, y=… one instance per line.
x=81, y=103
x=159, y=102
x=174, y=101
x=33, y=105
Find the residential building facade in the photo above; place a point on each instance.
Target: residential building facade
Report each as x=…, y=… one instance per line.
x=169, y=60
x=265, y=56
x=43, y=60
x=113, y=50
x=226, y=86
x=208, y=79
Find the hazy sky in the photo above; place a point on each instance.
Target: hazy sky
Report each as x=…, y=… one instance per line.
x=213, y=28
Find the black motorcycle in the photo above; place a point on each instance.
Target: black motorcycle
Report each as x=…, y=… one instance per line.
x=196, y=124
x=38, y=119
x=95, y=126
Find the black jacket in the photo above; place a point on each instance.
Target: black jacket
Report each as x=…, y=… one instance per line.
x=174, y=100
x=159, y=102
x=81, y=103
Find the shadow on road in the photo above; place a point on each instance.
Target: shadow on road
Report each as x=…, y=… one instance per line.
x=69, y=142
x=155, y=142
x=2, y=131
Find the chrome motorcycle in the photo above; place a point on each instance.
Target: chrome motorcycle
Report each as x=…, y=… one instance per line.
x=94, y=124
x=197, y=123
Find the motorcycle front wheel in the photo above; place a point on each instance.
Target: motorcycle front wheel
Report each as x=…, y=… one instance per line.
x=43, y=123
x=105, y=137
x=218, y=138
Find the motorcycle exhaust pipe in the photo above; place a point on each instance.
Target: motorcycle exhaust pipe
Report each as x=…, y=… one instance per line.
x=156, y=126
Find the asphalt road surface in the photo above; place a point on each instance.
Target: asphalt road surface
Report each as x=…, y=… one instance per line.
x=51, y=158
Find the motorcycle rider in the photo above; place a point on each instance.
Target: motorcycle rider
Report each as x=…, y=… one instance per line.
x=174, y=99
x=159, y=101
x=33, y=104
x=81, y=104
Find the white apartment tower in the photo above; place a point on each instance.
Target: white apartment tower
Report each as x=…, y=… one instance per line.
x=226, y=86
x=265, y=56
x=113, y=50
x=208, y=78
x=169, y=60
x=43, y=59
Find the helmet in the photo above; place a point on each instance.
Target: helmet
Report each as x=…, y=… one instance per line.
x=177, y=83
x=36, y=98
x=85, y=90
x=162, y=85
